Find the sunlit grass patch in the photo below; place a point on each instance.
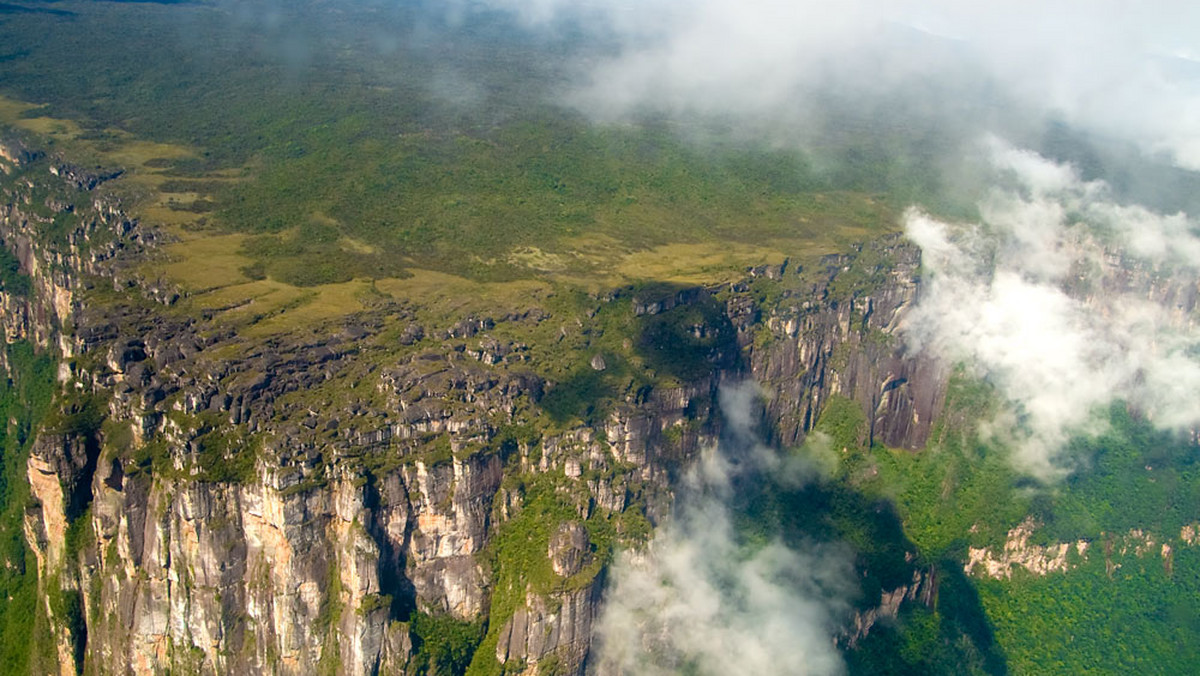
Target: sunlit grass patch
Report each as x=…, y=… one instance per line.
x=161, y=213
x=451, y=294
x=233, y=296
x=12, y=110
x=133, y=153
x=703, y=263
x=17, y=114
x=209, y=262
x=536, y=259
x=357, y=246
x=296, y=308
x=113, y=146
x=269, y=298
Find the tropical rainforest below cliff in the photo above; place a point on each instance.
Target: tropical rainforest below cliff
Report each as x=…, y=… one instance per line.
x=390, y=337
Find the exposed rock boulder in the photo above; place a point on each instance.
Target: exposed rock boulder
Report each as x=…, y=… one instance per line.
x=570, y=549
x=559, y=627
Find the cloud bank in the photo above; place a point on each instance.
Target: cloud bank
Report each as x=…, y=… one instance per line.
x=1032, y=295
x=1066, y=300
x=1126, y=70
x=699, y=598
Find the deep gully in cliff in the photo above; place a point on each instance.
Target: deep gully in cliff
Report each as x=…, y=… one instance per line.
x=172, y=569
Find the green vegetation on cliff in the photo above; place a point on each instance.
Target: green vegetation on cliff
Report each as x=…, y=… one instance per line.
x=1137, y=619
x=444, y=645
x=12, y=280
x=1126, y=605
x=305, y=177
x=25, y=396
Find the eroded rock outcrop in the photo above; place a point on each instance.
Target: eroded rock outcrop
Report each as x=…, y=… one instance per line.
x=235, y=511
x=1019, y=554
x=839, y=338
x=557, y=629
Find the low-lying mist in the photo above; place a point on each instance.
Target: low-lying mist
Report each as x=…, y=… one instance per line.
x=1076, y=284
x=1117, y=69
x=705, y=598
x=1066, y=300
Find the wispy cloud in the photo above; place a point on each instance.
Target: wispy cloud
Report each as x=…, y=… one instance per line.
x=700, y=597
x=1110, y=66
x=1065, y=300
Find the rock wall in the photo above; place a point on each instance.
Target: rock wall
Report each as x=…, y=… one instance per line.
x=837, y=336
x=216, y=526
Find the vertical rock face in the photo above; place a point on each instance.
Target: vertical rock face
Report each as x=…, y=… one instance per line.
x=922, y=589
x=453, y=507
x=253, y=578
x=843, y=342
x=569, y=549
x=558, y=626
x=218, y=527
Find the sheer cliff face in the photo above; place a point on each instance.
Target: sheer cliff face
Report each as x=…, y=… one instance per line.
x=209, y=523
x=838, y=337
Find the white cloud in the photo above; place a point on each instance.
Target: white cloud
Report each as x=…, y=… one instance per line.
x=700, y=596
x=1107, y=65
x=1066, y=301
